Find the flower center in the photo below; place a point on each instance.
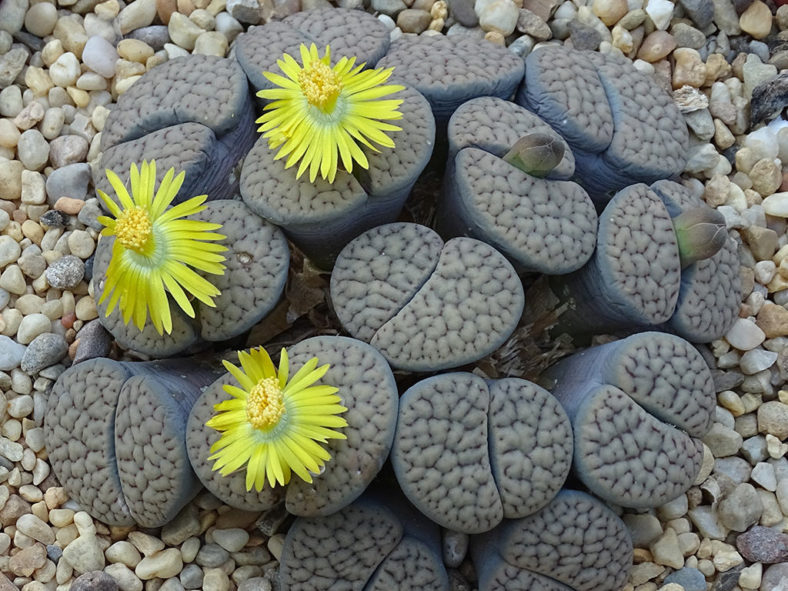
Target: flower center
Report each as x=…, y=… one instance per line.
x=265, y=405
x=133, y=228
x=320, y=85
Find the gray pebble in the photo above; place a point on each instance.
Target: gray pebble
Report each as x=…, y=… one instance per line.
x=740, y=509
x=12, y=15
x=735, y=468
x=454, y=548
x=54, y=552
x=191, y=577
x=11, y=353
x=11, y=101
x=32, y=262
x=33, y=149
x=66, y=272
x=644, y=528
x=585, y=37
x=255, y=584
x=45, y=350
x=211, y=555
x=89, y=213
x=94, y=581
x=388, y=7
x=463, y=12
x=764, y=475
x=11, y=64
x=68, y=149
x=155, y=35
x=689, y=578
x=754, y=449
x=69, y=181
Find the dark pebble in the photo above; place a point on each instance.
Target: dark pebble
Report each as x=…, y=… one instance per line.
x=33, y=42
x=94, y=341
x=583, y=36
x=700, y=11
x=94, y=581
x=726, y=380
x=769, y=98
x=728, y=580
x=89, y=267
x=463, y=12
x=689, y=578
x=763, y=544
x=54, y=219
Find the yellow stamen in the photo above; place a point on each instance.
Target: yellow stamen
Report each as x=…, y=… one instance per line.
x=133, y=228
x=265, y=405
x=320, y=85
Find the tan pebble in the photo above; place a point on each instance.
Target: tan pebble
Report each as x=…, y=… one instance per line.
x=61, y=517
x=610, y=11
x=641, y=555
x=756, y=20
x=723, y=138
x=122, y=86
x=9, y=134
x=69, y=205
x=656, y=46
x=716, y=68
x=437, y=24
x=33, y=231
x=766, y=177
x=134, y=50
x=622, y=39
x=495, y=37
x=107, y=10
x=38, y=81
x=689, y=68
x=55, y=496
x=731, y=401
x=773, y=320
x=80, y=97
x=51, y=51
x=185, y=7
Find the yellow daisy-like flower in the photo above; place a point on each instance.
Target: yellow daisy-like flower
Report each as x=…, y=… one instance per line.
x=154, y=249
x=274, y=425
x=320, y=113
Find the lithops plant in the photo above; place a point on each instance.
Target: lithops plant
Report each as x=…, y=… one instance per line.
x=192, y=113
x=348, y=33
x=622, y=127
x=638, y=407
x=367, y=389
x=632, y=280
x=424, y=304
x=468, y=452
x=115, y=433
x=257, y=261
x=451, y=70
x=321, y=217
x=506, y=185
x=576, y=543
x=710, y=292
x=376, y=543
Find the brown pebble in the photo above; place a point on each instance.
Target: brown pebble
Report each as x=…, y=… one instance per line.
x=72, y=349
x=19, y=216
x=165, y=8
x=784, y=184
x=185, y=7
x=68, y=320
x=13, y=509
x=24, y=562
x=69, y=205
x=772, y=319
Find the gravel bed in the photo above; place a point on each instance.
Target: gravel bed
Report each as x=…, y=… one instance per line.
x=64, y=64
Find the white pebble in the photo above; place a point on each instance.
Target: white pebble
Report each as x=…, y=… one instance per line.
x=31, y=326
x=763, y=473
x=756, y=360
x=65, y=71
x=745, y=334
x=776, y=205
x=100, y=56
x=33, y=149
x=660, y=12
